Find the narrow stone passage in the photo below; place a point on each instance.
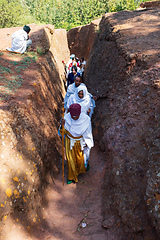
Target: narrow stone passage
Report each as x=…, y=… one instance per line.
x=123, y=69
x=74, y=211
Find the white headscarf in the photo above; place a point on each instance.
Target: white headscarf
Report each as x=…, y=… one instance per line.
x=85, y=102
x=81, y=126
x=76, y=127
x=70, y=90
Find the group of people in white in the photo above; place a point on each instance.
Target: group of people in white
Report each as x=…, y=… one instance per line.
x=77, y=93
x=75, y=61
x=74, y=67
x=79, y=105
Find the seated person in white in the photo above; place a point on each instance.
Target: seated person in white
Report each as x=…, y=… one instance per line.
x=20, y=40
x=82, y=97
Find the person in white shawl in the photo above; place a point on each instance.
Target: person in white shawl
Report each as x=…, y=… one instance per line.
x=71, y=90
x=20, y=40
x=82, y=97
x=78, y=141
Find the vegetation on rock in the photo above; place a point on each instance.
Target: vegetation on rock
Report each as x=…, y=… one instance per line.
x=61, y=13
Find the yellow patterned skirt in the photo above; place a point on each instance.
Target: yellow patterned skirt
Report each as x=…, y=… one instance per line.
x=75, y=157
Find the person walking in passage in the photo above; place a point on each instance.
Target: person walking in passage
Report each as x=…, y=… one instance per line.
x=82, y=97
x=72, y=76
x=78, y=141
x=71, y=90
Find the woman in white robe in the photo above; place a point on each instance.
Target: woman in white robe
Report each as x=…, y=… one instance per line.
x=78, y=141
x=82, y=97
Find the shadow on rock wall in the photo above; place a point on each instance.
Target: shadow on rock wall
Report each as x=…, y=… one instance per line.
x=123, y=70
x=30, y=146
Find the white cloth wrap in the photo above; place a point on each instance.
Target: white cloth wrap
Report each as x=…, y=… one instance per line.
x=80, y=127
x=86, y=152
x=70, y=90
x=73, y=140
x=87, y=102
x=19, y=41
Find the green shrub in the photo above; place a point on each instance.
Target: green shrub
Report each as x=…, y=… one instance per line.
x=61, y=13
x=10, y=12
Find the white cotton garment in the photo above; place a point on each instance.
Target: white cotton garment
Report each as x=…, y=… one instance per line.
x=70, y=90
x=86, y=102
x=81, y=126
x=19, y=41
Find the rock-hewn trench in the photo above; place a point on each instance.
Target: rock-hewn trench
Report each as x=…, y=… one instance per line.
x=123, y=70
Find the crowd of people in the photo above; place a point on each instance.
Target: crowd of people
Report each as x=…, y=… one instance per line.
x=79, y=105
x=74, y=67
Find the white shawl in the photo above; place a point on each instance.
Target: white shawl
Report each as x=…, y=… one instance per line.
x=81, y=126
x=19, y=39
x=85, y=102
x=70, y=90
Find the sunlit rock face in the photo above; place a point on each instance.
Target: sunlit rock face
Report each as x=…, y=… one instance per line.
x=32, y=90
x=80, y=39
x=123, y=71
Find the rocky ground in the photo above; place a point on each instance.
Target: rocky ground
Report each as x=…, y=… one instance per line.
x=68, y=212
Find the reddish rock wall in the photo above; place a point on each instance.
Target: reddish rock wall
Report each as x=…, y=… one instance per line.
x=153, y=4
x=80, y=39
x=123, y=69
x=30, y=108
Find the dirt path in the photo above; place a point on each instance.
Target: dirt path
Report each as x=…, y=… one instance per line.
x=68, y=207
x=74, y=205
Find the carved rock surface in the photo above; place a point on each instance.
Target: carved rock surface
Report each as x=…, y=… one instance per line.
x=80, y=39
x=124, y=71
x=32, y=90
